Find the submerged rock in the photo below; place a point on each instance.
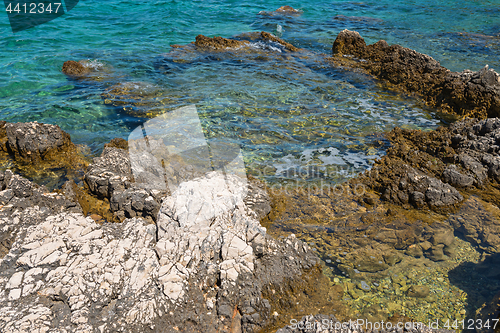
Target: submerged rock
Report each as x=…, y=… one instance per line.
x=86, y=69
x=330, y=324
x=137, y=98
x=283, y=10
x=466, y=93
x=248, y=46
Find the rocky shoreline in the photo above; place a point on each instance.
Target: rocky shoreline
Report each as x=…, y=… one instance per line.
x=65, y=267
x=468, y=93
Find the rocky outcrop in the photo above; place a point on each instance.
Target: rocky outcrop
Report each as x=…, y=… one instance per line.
x=40, y=151
x=206, y=266
x=218, y=43
x=466, y=93
x=330, y=324
x=431, y=168
x=86, y=70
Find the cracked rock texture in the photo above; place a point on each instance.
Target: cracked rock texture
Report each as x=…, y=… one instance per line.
x=206, y=266
x=468, y=93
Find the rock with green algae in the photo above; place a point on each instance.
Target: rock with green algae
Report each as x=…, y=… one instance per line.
x=468, y=93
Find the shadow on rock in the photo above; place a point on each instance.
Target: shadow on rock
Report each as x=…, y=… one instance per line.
x=481, y=282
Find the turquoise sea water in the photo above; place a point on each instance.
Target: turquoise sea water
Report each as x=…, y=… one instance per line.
x=286, y=113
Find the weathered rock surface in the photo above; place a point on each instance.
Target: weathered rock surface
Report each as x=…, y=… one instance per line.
x=208, y=266
x=86, y=70
x=467, y=93
x=17, y=194
x=465, y=156
x=110, y=177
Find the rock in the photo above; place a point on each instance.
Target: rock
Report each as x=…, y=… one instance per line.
x=117, y=143
x=140, y=99
x=478, y=222
x=466, y=93
x=454, y=177
x=109, y=173
x=402, y=184
x=36, y=142
x=418, y=291
x=65, y=270
x=283, y=10
x=330, y=324
x=218, y=43
x=86, y=70
x=270, y=37
x=288, y=10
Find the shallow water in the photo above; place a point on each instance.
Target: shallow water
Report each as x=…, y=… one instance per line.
x=295, y=117
x=288, y=117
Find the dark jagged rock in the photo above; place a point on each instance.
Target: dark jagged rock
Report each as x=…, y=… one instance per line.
x=464, y=155
x=86, y=70
x=466, y=93
x=110, y=177
x=117, y=143
x=330, y=324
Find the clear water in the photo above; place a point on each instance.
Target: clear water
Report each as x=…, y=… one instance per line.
x=294, y=116
x=287, y=113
